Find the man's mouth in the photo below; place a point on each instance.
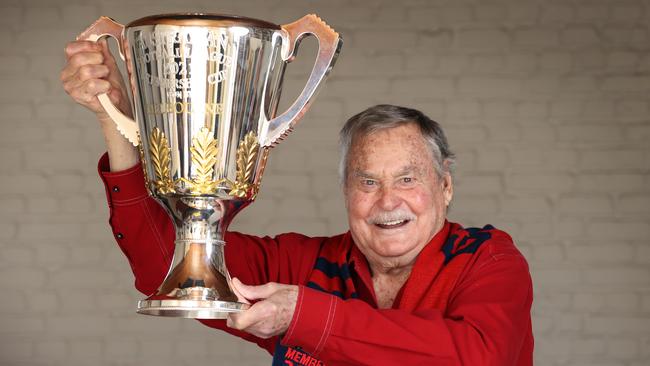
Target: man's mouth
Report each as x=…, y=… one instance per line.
x=392, y=224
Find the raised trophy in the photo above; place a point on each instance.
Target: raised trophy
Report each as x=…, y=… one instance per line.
x=205, y=92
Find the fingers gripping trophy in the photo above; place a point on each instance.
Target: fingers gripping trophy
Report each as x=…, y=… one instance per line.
x=205, y=91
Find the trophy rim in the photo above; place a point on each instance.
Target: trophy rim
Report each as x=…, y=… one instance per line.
x=202, y=19
x=198, y=309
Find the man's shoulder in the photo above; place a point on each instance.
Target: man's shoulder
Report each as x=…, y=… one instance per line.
x=479, y=241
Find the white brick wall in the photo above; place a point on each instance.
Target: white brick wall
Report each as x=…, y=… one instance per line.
x=545, y=103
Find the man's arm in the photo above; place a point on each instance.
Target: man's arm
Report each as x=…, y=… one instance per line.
x=486, y=323
x=91, y=70
x=140, y=226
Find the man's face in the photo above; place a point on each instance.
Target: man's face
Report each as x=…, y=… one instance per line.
x=395, y=200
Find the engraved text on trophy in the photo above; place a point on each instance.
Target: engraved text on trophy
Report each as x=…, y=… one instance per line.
x=178, y=63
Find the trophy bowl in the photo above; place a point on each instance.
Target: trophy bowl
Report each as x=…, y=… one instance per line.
x=205, y=90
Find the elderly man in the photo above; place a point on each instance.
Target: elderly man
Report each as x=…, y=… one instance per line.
x=403, y=286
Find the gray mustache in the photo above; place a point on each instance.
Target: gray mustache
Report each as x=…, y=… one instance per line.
x=383, y=217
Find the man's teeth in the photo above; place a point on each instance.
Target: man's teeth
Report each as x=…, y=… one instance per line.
x=395, y=222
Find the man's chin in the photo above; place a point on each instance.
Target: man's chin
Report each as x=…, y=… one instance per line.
x=394, y=244
x=394, y=252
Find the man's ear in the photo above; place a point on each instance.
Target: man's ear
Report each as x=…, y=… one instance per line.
x=447, y=188
x=447, y=184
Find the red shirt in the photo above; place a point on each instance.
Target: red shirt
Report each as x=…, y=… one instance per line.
x=467, y=300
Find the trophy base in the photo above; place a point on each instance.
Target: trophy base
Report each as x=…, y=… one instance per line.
x=197, y=309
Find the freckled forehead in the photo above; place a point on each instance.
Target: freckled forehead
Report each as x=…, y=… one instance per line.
x=405, y=136
x=403, y=145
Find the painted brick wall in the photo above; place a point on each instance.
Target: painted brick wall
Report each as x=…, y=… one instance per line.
x=546, y=104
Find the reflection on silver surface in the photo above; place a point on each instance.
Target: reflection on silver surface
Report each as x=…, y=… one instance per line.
x=187, y=78
x=205, y=94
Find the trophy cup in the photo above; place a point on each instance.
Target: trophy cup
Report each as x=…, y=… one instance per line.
x=205, y=90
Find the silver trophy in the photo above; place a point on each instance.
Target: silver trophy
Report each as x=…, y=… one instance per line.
x=205, y=91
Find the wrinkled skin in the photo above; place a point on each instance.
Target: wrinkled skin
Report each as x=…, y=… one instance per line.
x=396, y=201
x=266, y=318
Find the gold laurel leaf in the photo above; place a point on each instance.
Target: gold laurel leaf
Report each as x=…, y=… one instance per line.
x=246, y=159
x=204, y=156
x=161, y=160
x=247, y=154
x=239, y=189
x=144, y=165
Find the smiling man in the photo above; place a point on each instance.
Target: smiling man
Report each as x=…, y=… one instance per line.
x=403, y=286
x=396, y=194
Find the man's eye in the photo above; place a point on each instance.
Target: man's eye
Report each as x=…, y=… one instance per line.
x=407, y=180
x=368, y=182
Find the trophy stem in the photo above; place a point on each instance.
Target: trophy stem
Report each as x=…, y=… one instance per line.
x=197, y=284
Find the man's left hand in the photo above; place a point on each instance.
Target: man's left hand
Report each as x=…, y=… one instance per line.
x=268, y=317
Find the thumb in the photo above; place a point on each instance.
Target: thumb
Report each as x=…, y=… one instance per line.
x=234, y=287
x=255, y=292
x=109, y=60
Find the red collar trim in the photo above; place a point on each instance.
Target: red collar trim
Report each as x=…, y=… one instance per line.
x=421, y=269
x=425, y=269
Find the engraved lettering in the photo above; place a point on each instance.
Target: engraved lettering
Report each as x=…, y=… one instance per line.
x=213, y=108
x=220, y=58
x=165, y=59
x=183, y=107
x=180, y=107
x=216, y=77
x=217, y=40
x=172, y=68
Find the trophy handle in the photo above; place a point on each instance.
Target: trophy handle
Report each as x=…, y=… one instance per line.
x=329, y=46
x=107, y=27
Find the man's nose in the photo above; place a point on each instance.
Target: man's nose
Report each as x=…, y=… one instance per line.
x=389, y=198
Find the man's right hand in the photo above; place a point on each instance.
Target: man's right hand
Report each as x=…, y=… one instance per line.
x=91, y=70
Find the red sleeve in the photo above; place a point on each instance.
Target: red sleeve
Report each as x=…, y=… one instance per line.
x=485, y=323
x=141, y=227
x=145, y=233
